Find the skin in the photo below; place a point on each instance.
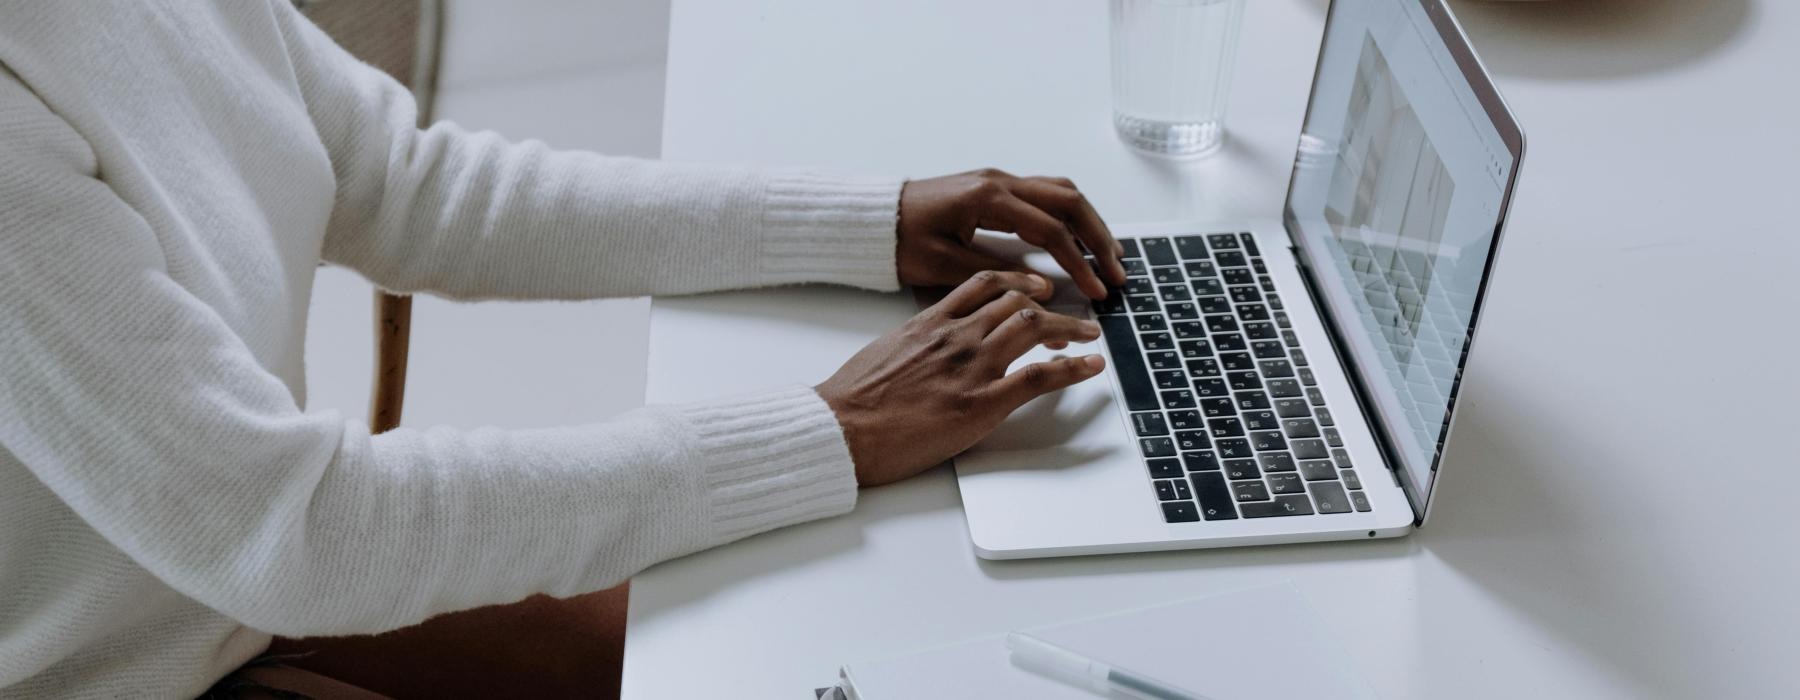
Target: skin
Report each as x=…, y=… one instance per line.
x=910, y=400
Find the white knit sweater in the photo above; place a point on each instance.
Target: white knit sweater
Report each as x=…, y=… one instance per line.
x=171, y=172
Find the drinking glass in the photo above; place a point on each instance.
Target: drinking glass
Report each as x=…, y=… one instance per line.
x=1171, y=73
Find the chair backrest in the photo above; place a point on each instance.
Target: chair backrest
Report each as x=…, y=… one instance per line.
x=403, y=38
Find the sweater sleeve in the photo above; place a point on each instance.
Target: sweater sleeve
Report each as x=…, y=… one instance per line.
x=471, y=215
x=137, y=405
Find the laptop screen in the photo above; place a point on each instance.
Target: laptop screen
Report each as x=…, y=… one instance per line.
x=1399, y=188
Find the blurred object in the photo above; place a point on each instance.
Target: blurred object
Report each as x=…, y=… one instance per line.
x=1171, y=73
x=402, y=38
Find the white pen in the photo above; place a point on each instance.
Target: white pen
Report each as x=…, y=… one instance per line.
x=1098, y=676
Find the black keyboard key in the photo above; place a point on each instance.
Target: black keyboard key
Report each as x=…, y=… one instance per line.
x=1261, y=420
x=1180, y=512
x=1299, y=357
x=1276, y=462
x=1282, y=505
x=1268, y=441
x=1203, y=367
x=1309, y=449
x=1214, y=495
x=1266, y=349
x=1179, y=398
x=1360, y=501
x=1235, y=276
x=1164, y=360
x=1315, y=396
x=1135, y=268
x=1184, y=420
x=1274, y=301
x=1350, y=478
x=1250, y=491
x=1214, y=305
x=1317, y=470
x=1249, y=243
x=1222, y=241
x=1221, y=324
x=1200, y=461
x=1181, y=311
x=1157, y=341
x=1150, y=322
x=1158, y=251
x=1229, y=342
x=1306, y=376
x=1261, y=330
x=1195, y=349
x=1131, y=247
x=1300, y=427
x=1149, y=424
x=1173, y=292
x=1225, y=427
x=1263, y=280
x=1291, y=339
x=1166, y=275
x=1114, y=303
x=1328, y=497
x=1245, y=295
x=1341, y=458
x=1181, y=489
x=1128, y=364
x=1281, y=319
x=1291, y=408
x=1252, y=401
x=1253, y=312
x=1139, y=286
x=1189, y=329
x=1216, y=408
x=1241, y=469
x=1165, y=491
x=1325, y=417
x=1229, y=259
x=1200, y=270
x=1276, y=369
x=1210, y=387
x=1332, y=438
x=1284, y=388
x=1233, y=448
x=1243, y=381
x=1157, y=447
x=1142, y=304
x=1191, y=247
x=1163, y=468
x=1190, y=440
x=1174, y=379
x=1287, y=482
x=1236, y=361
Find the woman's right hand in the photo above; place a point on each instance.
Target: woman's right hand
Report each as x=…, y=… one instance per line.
x=938, y=384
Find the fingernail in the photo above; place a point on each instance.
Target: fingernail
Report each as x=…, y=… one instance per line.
x=1093, y=362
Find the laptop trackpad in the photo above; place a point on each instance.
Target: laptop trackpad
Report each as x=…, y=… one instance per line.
x=1081, y=416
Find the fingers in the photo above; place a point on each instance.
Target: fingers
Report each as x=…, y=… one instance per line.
x=1059, y=197
x=1035, y=226
x=986, y=286
x=1034, y=380
x=956, y=263
x=1027, y=328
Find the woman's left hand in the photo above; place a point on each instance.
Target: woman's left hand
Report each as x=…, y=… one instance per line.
x=938, y=218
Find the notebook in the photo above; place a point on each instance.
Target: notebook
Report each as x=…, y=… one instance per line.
x=1261, y=642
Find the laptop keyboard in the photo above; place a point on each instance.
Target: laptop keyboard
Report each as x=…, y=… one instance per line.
x=1225, y=407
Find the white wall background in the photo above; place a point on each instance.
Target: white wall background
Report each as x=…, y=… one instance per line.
x=573, y=73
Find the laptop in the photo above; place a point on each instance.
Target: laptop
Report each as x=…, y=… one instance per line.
x=1292, y=380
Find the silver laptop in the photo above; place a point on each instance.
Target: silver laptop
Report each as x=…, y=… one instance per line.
x=1287, y=381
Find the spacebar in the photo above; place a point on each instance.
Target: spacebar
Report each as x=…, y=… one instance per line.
x=1128, y=363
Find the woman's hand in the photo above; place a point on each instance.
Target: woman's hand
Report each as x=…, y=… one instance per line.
x=938, y=218
x=933, y=387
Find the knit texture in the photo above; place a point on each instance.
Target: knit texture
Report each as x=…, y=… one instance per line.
x=171, y=173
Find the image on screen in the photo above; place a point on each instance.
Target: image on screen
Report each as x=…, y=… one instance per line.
x=1396, y=195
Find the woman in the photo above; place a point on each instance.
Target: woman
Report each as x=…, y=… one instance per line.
x=170, y=175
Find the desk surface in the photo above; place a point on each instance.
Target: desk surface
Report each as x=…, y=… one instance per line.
x=1616, y=521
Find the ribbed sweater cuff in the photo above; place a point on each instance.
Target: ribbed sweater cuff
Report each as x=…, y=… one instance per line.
x=771, y=460
x=819, y=228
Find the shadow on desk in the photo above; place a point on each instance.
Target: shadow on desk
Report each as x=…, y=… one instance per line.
x=1589, y=39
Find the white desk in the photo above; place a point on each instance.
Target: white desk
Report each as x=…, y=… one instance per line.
x=1618, y=519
